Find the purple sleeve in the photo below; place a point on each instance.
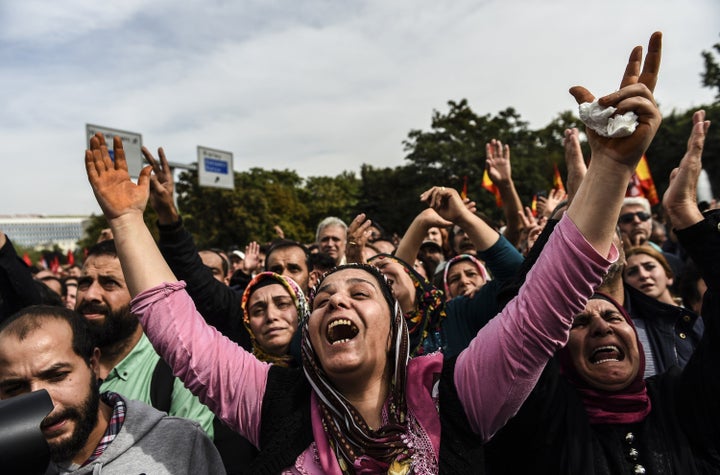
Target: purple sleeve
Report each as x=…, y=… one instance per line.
x=499, y=369
x=226, y=378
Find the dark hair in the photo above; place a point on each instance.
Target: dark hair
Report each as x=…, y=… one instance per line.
x=687, y=284
x=31, y=318
x=321, y=261
x=225, y=263
x=284, y=244
x=103, y=248
x=47, y=295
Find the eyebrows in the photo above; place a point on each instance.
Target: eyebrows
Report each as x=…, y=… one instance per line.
x=46, y=374
x=332, y=288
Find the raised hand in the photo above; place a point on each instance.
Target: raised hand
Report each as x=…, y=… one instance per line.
x=680, y=198
x=162, y=187
x=498, y=161
x=357, y=237
x=116, y=194
x=446, y=202
x=636, y=95
x=574, y=161
x=252, y=258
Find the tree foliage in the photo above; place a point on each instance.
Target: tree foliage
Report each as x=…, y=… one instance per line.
x=452, y=150
x=711, y=76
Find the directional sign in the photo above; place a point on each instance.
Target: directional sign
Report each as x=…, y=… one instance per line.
x=132, y=143
x=215, y=168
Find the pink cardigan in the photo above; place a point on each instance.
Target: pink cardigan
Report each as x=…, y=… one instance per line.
x=493, y=376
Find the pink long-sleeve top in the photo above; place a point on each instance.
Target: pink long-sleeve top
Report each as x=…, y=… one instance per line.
x=493, y=376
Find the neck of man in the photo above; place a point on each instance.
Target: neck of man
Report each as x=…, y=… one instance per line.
x=103, y=420
x=112, y=354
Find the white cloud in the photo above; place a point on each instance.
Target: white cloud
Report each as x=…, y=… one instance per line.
x=315, y=86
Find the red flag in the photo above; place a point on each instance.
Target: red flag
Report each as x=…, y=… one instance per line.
x=557, y=179
x=463, y=194
x=533, y=205
x=27, y=260
x=490, y=186
x=70, y=258
x=55, y=265
x=642, y=184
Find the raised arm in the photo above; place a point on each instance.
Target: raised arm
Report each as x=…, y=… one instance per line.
x=447, y=203
x=513, y=348
x=500, y=172
x=411, y=241
x=596, y=206
x=123, y=203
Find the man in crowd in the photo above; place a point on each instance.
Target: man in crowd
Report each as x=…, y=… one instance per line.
x=52, y=348
x=128, y=363
x=331, y=237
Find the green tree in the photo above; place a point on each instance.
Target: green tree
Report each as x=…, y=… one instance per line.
x=711, y=76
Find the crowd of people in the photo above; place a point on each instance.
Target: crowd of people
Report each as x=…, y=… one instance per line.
x=579, y=339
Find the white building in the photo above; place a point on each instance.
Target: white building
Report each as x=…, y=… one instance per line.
x=44, y=232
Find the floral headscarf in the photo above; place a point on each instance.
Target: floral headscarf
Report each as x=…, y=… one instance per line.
x=425, y=320
x=625, y=406
x=293, y=289
x=357, y=447
x=463, y=257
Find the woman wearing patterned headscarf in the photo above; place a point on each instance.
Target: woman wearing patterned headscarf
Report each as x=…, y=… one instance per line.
x=272, y=305
x=421, y=302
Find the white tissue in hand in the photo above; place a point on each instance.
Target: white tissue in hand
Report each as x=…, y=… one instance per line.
x=602, y=121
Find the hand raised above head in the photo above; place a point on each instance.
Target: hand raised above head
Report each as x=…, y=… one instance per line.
x=680, y=198
x=635, y=95
x=116, y=194
x=446, y=202
x=162, y=187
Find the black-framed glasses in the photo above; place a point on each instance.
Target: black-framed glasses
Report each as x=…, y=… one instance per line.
x=627, y=218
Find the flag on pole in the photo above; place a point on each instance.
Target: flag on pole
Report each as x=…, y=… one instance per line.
x=642, y=184
x=533, y=205
x=490, y=186
x=27, y=260
x=70, y=258
x=55, y=264
x=557, y=179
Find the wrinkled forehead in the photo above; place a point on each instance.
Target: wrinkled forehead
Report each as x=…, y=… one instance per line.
x=102, y=262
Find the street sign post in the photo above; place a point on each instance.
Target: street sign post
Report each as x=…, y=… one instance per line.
x=132, y=143
x=215, y=168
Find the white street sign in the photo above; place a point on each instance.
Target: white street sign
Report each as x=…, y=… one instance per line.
x=215, y=168
x=132, y=143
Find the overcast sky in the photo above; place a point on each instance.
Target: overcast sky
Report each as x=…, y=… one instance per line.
x=314, y=86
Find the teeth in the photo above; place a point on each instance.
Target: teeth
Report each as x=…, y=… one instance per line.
x=605, y=359
x=344, y=340
x=342, y=321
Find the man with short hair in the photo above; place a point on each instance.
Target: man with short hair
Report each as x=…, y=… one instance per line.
x=635, y=223
x=635, y=220
x=51, y=348
x=217, y=265
x=128, y=361
x=331, y=237
x=290, y=259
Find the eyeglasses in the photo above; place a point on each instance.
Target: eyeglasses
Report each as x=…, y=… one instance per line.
x=628, y=218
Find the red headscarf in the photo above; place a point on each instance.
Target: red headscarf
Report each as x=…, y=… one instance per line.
x=628, y=405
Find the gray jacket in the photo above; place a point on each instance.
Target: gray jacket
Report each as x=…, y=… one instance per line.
x=153, y=443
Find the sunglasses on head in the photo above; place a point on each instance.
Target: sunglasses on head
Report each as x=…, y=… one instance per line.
x=630, y=217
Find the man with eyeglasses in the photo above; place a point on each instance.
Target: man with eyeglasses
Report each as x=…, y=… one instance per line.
x=635, y=223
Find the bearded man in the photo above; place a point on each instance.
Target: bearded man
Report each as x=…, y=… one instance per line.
x=127, y=362
x=51, y=348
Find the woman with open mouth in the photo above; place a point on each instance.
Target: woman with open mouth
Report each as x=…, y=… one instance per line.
x=592, y=410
